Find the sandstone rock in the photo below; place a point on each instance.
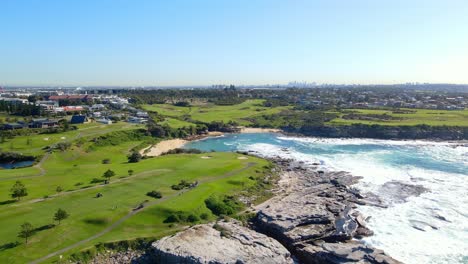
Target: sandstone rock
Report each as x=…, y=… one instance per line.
x=207, y=244
x=350, y=252
x=317, y=221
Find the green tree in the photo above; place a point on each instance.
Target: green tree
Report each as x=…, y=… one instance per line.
x=18, y=190
x=108, y=174
x=60, y=215
x=26, y=231
x=134, y=157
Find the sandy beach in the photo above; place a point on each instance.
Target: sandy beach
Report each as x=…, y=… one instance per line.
x=163, y=146
x=166, y=145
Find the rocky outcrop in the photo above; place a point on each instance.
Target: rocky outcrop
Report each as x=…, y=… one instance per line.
x=223, y=242
x=350, y=252
x=315, y=217
x=125, y=257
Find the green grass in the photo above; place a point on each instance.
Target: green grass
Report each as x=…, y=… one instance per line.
x=89, y=215
x=32, y=145
x=175, y=123
x=210, y=112
x=420, y=116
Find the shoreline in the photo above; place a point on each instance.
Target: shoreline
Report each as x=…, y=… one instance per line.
x=170, y=144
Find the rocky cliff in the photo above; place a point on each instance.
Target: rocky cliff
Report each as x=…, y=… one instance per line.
x=314, y=216
x=223, y=242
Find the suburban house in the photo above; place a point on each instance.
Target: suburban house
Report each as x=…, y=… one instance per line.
x=11, y=126
x=104, y=121
x=78, y=119
x=43, y=123
x=136, y=120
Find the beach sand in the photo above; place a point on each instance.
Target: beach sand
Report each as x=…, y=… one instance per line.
x=163, y=146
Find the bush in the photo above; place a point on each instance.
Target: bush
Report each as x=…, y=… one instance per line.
x=134, y=157
x=193, y=218
x=182, y=151
x=204, y=216
x=183, y=184
x=154, y=194
x=226, y=205
x=106, y=161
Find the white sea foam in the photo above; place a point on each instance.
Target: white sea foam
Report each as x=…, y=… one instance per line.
x=396, y=227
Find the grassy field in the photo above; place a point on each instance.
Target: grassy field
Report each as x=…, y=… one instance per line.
x=74, y=171
x=209, y=113
x=415, y=117
x=175, y=123
x=32, y=145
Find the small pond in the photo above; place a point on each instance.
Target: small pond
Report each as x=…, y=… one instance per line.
x=14, y=165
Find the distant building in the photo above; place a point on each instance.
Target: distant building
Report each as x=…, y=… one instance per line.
x=104, y=121
x=73, y=97
x=43, y=123
x=78, y=119
x=136, y=120
x=11, y=126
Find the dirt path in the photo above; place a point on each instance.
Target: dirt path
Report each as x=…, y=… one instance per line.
x=90, y=188
x=135, y=211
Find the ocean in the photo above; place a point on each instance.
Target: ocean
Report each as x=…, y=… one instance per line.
x=428, y=228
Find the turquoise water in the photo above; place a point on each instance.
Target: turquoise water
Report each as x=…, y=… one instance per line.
x=441, y=167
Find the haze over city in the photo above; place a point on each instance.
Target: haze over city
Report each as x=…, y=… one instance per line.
x=172, y=43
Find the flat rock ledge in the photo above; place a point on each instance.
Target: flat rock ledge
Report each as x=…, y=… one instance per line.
x=223, y=242
x=314, y=215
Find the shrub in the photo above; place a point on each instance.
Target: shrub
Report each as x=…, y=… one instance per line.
x=134, y=157
x=192, y=218
x=204, y=216
x=106, y=161
x=154, y=194
x=226, y=205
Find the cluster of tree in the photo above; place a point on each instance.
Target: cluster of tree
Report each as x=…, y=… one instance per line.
x=182, y=151
x=27, y=229
x=383, y=132
x=17, y=108
x=229, y=127
x=293, y=119
x=183, y=184
x=154, y=194
x=7, y=157
x=165, y=131
x=217, y=96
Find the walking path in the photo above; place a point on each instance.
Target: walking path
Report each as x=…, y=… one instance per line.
x=135, y=211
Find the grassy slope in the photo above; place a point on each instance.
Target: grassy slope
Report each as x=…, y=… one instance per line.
x=175, y=123
x=90, y=215
x=37, y=142
x=421, y=116
x=211, y=113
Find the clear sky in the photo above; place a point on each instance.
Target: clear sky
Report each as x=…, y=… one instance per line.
x=204, y=42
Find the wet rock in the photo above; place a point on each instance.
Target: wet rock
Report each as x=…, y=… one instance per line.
x=399, y=192
x=225, y=242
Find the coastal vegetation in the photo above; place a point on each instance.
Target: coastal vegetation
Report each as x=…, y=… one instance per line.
x=70, y=178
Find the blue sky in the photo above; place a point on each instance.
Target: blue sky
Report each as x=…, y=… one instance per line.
x=203, y=42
